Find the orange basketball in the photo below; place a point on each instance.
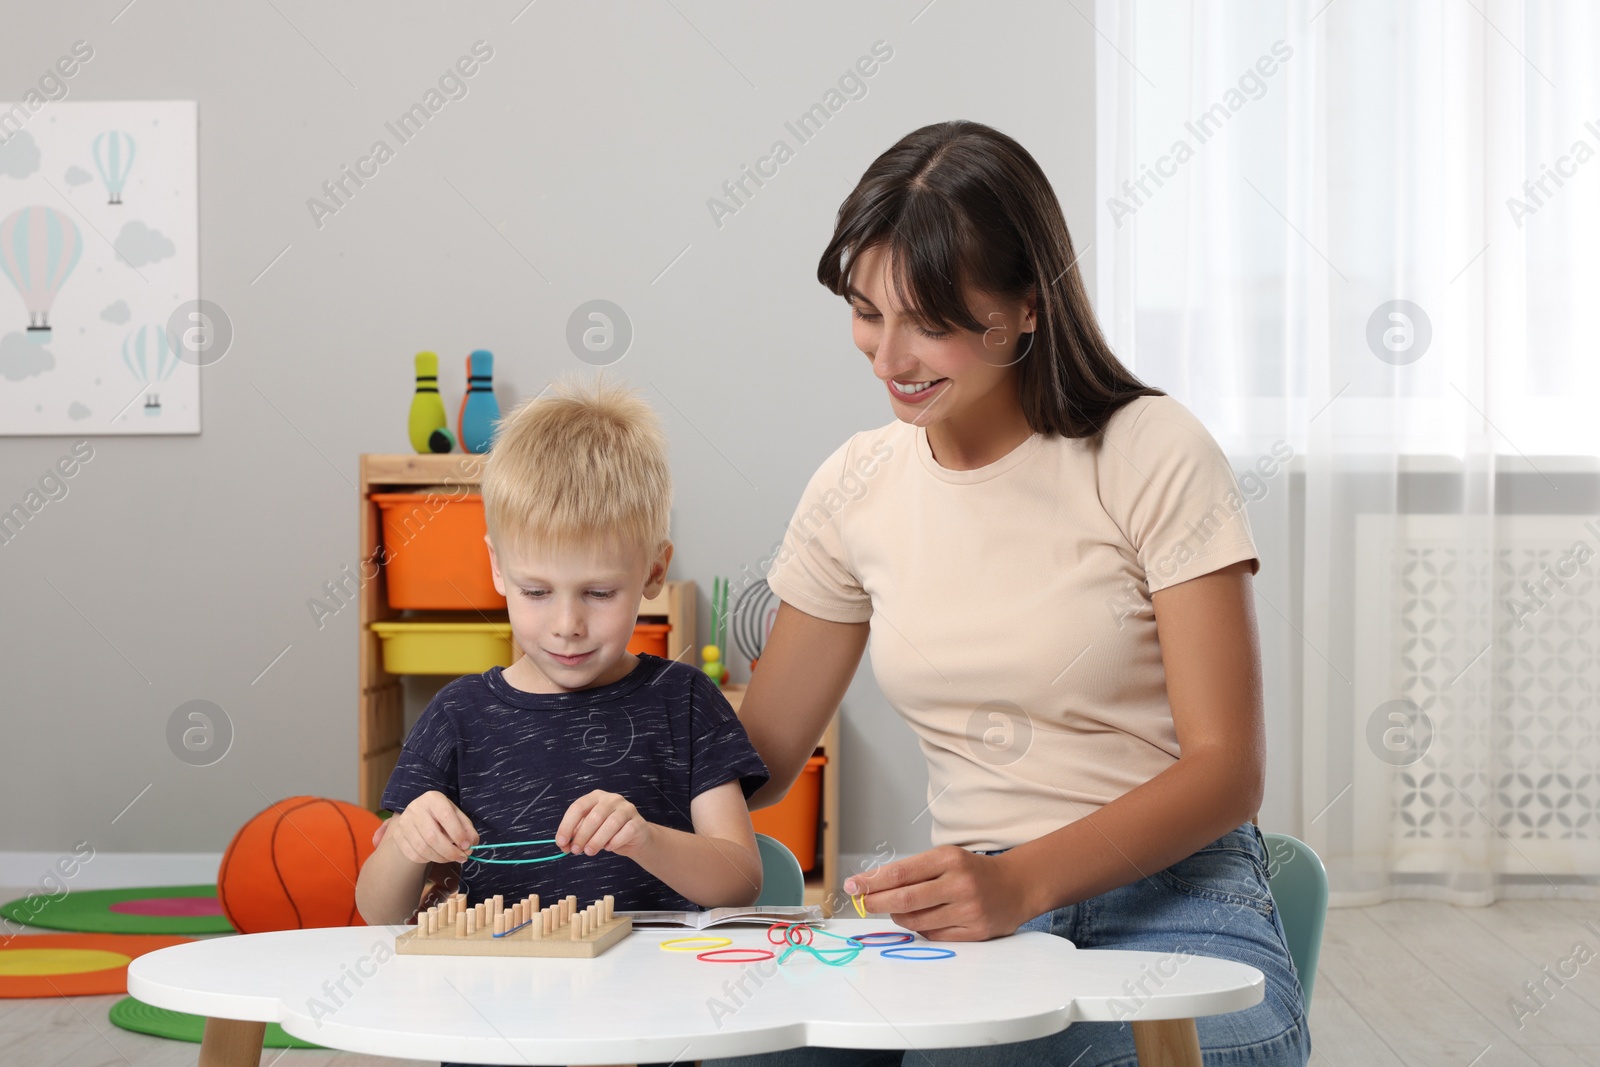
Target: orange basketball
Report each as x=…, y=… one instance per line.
x=294, y=866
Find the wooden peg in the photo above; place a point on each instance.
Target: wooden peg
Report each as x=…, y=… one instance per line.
x=461, y=924
x=610, y=906
x=472, y=921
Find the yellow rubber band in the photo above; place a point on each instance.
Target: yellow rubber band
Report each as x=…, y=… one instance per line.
x=860, y=909
x=697, y=944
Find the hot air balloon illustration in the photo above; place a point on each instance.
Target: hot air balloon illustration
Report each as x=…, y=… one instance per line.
x=113, y=158
x=39, y=246
x=149, y=354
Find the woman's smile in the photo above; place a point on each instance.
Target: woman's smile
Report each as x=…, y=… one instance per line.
x=915, y=392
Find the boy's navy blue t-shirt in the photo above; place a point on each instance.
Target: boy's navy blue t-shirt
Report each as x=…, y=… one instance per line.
x=513, y=762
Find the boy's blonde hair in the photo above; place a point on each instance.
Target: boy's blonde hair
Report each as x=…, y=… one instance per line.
x=576, y=465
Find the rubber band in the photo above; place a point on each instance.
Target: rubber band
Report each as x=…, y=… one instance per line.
x=857, y=899
x=515, y=928
x=721, y=955
x=839, y=937
x=706, y=942
x=822, y=954
x=902, y=935
x=540, y=859
x=790, y=930
x=924, y=953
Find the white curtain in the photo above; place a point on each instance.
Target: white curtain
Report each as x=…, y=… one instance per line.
x=1361, y=241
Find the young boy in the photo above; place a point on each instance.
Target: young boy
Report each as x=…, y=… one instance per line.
x=635, y=765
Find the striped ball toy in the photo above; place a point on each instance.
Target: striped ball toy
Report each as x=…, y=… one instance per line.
x=294, y=866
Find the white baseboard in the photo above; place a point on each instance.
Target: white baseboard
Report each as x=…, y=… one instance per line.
x=107, y=870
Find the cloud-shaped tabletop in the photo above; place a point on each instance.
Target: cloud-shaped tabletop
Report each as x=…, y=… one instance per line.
x=346, y=988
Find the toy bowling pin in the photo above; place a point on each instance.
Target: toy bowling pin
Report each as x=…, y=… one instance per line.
x=479, y=411
x=429, y=426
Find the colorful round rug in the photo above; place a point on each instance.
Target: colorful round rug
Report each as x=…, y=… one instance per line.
x=171, y=909
x=132, y=1014
x=73, y=965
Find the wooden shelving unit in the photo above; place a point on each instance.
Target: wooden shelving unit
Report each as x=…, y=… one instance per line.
x=382, y=699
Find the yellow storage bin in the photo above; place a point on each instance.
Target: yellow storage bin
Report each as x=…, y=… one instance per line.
x=422, y=647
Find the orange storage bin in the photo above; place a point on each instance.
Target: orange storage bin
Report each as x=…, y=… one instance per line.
x=793, y=820
x=435, y=556
x=650, y=637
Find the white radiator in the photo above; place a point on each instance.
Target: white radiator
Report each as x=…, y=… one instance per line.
x=1498, y=645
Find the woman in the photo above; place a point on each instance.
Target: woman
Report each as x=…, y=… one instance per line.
x=1057, y=568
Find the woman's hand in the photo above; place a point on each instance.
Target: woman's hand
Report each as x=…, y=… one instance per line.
x=430, y=830
x=601, y=821
x=945, y=894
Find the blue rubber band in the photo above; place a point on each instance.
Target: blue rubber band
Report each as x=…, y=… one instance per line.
x=515, y=844
x=514, y=929
x=931, y=953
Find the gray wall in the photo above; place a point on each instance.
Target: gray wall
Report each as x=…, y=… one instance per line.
x=178, y=568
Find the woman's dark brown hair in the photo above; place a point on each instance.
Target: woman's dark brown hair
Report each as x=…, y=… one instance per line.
x=958, y=205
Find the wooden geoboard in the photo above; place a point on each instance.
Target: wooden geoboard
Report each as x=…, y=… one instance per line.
x=491, y=928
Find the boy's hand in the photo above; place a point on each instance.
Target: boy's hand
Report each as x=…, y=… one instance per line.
x=603, y=821
x=431, y=830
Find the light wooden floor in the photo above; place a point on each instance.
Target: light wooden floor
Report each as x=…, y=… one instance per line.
x=1405, y=983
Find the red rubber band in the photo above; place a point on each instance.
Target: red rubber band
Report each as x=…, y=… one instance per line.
x=720, y=955
x=789, y=935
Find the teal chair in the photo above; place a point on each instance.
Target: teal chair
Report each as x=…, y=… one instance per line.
x=782, y=880
x=1299, y=886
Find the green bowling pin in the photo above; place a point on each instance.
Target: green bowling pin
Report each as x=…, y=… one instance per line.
x=429, y=427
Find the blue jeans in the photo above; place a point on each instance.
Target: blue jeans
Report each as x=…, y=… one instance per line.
x=1213, y=903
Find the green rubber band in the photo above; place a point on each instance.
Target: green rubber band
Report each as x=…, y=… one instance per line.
x=514, y=844
x=821, y=953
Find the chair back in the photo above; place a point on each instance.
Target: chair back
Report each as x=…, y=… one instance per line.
x=782, y=880
x=1299, y=886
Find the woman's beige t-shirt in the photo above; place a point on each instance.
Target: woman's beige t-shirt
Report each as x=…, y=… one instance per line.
x=1012, y=624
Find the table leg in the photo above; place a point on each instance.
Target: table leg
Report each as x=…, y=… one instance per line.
x=1167, y=1043
x=232, y=1043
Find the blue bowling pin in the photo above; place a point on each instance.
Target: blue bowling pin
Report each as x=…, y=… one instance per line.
x=475, y=421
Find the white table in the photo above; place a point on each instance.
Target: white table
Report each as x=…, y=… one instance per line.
x=346, y=988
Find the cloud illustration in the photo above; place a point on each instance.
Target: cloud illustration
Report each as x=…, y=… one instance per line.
x=22, y=358
x=76, y=175
x=19, y=155
x=139, y=244
x=117, y=313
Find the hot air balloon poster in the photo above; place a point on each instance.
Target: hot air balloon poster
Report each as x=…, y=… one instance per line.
x=99, y=238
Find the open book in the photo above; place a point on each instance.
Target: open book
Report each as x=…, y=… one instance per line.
x=700, y=920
